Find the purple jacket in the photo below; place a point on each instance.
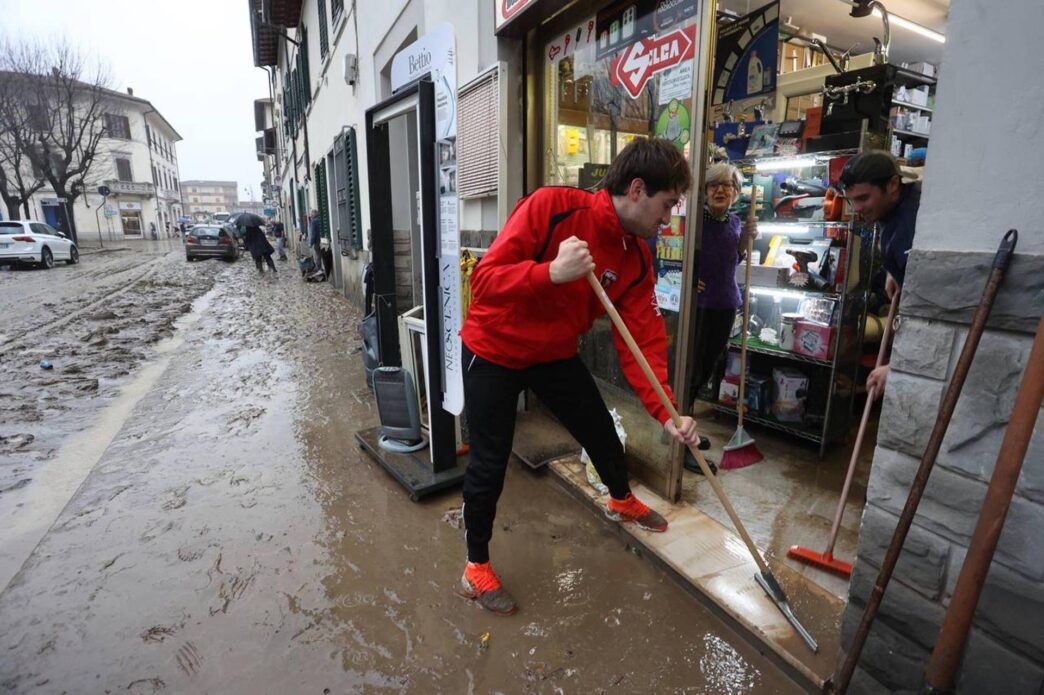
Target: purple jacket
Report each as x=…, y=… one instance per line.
x=719, y=257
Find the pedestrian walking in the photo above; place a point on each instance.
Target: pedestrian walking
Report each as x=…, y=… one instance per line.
x=314, y=240
x=530, y=304
x=279, y=232
x=259, y=248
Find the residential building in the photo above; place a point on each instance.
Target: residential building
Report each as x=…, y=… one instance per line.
x=137, y=160
x=203, y=199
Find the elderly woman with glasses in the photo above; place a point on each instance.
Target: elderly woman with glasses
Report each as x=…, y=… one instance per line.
x=723, y=245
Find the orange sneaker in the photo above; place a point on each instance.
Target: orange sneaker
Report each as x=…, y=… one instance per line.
x=481, y=584
x=632, y=510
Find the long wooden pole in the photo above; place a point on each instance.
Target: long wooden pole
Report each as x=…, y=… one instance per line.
x=752, y=215
x=942, y=666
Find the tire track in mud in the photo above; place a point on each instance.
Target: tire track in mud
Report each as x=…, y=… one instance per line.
x=12, y=342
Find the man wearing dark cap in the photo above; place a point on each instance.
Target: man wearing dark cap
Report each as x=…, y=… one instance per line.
x=873, y=186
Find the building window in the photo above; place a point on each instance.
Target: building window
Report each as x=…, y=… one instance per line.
x=123, y=170
x=324, y=38
x=478, y=163
x=117, y=126
x=336, y=9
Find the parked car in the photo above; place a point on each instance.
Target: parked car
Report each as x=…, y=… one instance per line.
x=29, y=241
x=210, y=241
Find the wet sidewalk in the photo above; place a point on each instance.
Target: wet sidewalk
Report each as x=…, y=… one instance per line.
x=231, y=537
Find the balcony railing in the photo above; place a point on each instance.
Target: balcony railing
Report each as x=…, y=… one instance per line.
x=131, y=187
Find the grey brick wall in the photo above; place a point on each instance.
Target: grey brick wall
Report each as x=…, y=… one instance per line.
x=1005, y=652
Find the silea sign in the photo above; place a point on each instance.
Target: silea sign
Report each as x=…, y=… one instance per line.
x=634, y=66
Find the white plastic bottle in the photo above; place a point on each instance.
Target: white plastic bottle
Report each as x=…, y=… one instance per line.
x=755, y=74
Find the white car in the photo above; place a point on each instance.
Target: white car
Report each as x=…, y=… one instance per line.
x=29, y=241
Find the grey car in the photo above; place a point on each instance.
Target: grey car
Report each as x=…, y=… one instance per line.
x=210, y=241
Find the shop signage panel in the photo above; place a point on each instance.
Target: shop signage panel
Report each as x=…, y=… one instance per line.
x=509, y=9
x=129, y=206
x=623, y=23
x=745, y=57
x=633, y=67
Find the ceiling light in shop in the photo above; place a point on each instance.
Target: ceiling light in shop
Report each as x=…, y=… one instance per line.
x=778, y=164
x=912, y=26
x=782, y=294
x=782, y=228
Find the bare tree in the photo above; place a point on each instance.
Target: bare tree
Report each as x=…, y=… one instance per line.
x=17, y=179
x=66, y=107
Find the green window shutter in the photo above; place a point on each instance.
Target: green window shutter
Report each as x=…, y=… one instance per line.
x=346, y=163
x=322, y=199
x=324, y=39
x=302, y=57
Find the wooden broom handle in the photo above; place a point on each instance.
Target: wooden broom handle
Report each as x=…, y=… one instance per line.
x=621, y=327
x=752, y=215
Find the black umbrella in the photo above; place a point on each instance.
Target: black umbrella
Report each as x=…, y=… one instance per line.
x=249, y=219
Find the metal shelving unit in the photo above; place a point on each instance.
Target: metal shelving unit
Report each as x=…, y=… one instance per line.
x=776, y=352
x=811, y=435
x=831, y=381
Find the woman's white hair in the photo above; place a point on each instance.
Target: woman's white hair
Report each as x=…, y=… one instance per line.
x=723, y=172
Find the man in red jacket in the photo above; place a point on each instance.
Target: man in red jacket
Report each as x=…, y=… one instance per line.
x=530, y=303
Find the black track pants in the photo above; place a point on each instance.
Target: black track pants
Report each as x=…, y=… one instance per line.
x=491, y=398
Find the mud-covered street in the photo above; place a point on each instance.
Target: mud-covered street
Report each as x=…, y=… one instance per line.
x=183, y=509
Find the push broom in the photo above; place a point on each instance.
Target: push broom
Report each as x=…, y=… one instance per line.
x=826, y=559
x=764, y=578
x=741, y=451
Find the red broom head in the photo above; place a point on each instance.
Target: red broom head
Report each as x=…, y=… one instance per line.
x=741, y=457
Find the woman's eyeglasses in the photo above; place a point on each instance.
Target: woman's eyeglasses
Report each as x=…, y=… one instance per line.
x=726, y=186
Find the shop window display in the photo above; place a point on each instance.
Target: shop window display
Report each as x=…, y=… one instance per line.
x=601, y=92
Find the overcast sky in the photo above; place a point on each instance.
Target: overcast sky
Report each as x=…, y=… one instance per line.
x=191, y=58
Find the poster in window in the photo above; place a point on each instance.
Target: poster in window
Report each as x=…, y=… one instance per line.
x=668, y=265
x=745, y=58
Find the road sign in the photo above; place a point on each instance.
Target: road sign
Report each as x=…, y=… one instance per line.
x=110, y=211
x=270, y=212
x=634, y=66
x=104, y=191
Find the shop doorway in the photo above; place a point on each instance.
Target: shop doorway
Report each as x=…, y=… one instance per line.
x=131, y=221
x=400, y=136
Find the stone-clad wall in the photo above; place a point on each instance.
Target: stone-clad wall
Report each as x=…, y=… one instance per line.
x=1005, y=654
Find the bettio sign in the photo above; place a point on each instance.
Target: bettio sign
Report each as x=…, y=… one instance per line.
x=634, y=66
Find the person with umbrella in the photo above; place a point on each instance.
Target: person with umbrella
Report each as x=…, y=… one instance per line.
x=255, y=240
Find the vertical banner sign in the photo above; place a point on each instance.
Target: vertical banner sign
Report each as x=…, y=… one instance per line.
x=435, y=54
x=745, y=59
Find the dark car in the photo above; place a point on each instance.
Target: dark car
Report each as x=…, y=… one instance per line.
x=210, y=241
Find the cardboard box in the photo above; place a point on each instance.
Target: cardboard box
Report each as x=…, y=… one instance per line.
x=813, y=340
x=758, y=395
x=923, y=68
x=789, y=387
x=728, y=392
x=762, y=275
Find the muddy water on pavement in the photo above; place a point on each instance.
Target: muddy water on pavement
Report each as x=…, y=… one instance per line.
x=233, y=538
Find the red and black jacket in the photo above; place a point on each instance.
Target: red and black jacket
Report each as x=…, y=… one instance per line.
x=518, y=317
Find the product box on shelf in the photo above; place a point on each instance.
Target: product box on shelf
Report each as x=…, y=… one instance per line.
x=762, y=275
x=758, y=395
x=813, y=340
x=790, y=387
x=732, y=366
x=728, y=392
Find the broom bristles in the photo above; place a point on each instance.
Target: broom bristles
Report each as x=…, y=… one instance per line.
x=741, y=457
x=740, y=451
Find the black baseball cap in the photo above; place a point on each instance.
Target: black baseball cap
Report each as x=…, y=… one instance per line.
x=874, y=166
